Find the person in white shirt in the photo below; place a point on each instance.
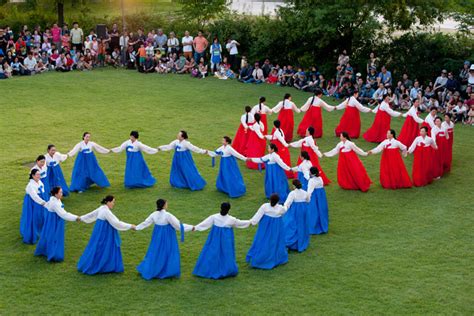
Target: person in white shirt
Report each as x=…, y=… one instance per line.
x=278, y=138
x=296, y=218
x=268, y=249
x=448, y=126
x=423, y=156
x=313, y=116
x=137, y=173
x=184, y=174
x=55, y=173
x=231, y=47
x=384, y=113
x=257, y=75
x=429, y=119
x=318, y=218
x=173, y=44
x=162, y=259
x=217, y=258
x=411, y=127
x=43, y=169
x=441, y=137
x=241, y=136
x=262, y=109
x=30, y=64
x=285, y=109
x=102, y=253
x=303, y=169
x=51, y=242
x=187, y=42
x=350, y=120
x=32, y=215
x=256, y=142
x=86, y=169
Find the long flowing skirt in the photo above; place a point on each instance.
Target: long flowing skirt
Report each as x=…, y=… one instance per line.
x=162, y=258
x=240, y=140
x=255, y=148
x=378, y=131
x=229, y=180
x=87, y=172
x=297, y=226
x=137, y=174
x=422, y=170
x=350, y=122
x=351, y=174
x=276, y=182
x=303, y=180
x=286, y=117
x=410, y=130
x=318, y=217
x=441, y=156
x=263, y=119
x=184, y=174
x=268, y=249
x=217, y=258
x=315, y=162
x=393, y=173
x=51, y=242
x=32, y=219
x=313, y=118
x=56, y=178
x=284, y=154
x=449, y=152
x=102, y=253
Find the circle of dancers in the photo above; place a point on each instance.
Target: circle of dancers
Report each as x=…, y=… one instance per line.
x=284, y=223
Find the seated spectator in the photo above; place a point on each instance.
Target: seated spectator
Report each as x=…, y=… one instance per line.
x=148, y=66
x=366, y=93
x=440, y=84
x=267, y=68
x=41, y=67
x=377, y=97
x=245, y=72
x=299, y=79
x=16, y=66
x=452, y=84
x=180, y=63
x=7, y=69
x=372, y=78
x=414, y=90
x=470, y=79
x=385, y=77
x=188, y=67
x=130, y=58
x=61, y=63
x=256, y=76
x=202, y=68
x=459, y=112
x=312, y=84
x=29, y=65
x=286, y=79
x=406, y=81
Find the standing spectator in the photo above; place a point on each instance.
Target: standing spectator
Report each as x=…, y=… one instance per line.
x=65, y=29
x=114, y=38
x=256, y=76
x=160, y=41
x=123, y=42
x=173, y=44
x=65, y=38
x=231, y=47
x=3, y=41
x=470, y=80
x=216, y=55
x=56, y=35
x=464, y=75
x=385, y=77
x=141, y=55
x=343, y=58
x=77, y=37
x=373, y=62
x=200, y=45
x=187, y=42
x=150, y=50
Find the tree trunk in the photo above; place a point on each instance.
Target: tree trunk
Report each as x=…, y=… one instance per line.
x=60, y=13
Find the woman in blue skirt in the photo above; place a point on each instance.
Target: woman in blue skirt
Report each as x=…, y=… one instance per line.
x=275, y=177
x=229, y=180
x=32, y=215
x=296, y=219
x=43, y=169
x=268, y=249
x=303, y=169
x=162, y=258
x=55, y=173
x=318, y=218
x=184, y=174
x=137, y=174
x=217, y=258
x=102, y=253
x=86, y=168
x=51, y=242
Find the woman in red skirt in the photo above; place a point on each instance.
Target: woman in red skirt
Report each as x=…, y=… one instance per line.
x=313, y=116
x=351, y=174
x=308, y=144
x=286, y=116
x=411, y=128
x=262, y=109
x=393, y=173
x=448, y=127
x=378, y=131
x=429, y=119
x=423, y=149
x=256, y=142
x=350, y=120
x=440, y=136
x=241, y=137
x=278, y=138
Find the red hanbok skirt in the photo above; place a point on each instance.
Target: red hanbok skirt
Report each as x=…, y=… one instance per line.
x=393, y=173
x=422, y=171
x=263, y=119
x=240, y=140
x=315, y=162
x=377, y=133
x=286, y=118
x=351, y=174
x=255, y=148
x=449, y=152
x=350, y=122
x=312, y=117
x=284, y=154
x=410, y=130
x=441, y=155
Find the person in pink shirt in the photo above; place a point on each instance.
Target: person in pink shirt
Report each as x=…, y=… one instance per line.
x=200, y=45
x=56, y=34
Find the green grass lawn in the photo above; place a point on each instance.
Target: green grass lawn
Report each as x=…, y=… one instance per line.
x=387, y=252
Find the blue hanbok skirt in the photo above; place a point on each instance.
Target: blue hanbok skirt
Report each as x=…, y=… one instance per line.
x=162, y=258
x=268, y=249
x=56, y=178
x=46, y=188
x=51, y=242
x=217, y=258
x=137, y=174
x=276, y=181
x=297, y=227
x=303, y=180
x=184, y=174
x=87, y=172
x=102, y=253
x=229, y=180
x=318, y=218
x=32, y=219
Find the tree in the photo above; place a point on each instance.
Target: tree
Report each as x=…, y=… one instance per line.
x=202, y=11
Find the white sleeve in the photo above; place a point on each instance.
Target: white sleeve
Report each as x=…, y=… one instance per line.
x=60, y=157
x=205, y=224
x=278, y=107
x=315, y=149
x=391, y=112
x=147, y=222
x=333, y=152
x=360, y=107
x=379, y=148
x=306, y=106
x=281, y=138
x=90, y=217
x=169, y=147
x=236, y=154
x=258, y=216
x=195, y=148
x=100, y=149
x=259, y=132
x=401, y=146
x=289, y=201
x=342, y=105
x=358, y=150
x=64, y=215
x=295, y=108
x=413, y=145
x=242, y=121
x=327, y=107
x=34, y=195
x=415, y=116
x=115, y=222
x=261, y=159
x=433, y=144
x=74, y=150
x=306, y=173
x=176, y=223
x=281, y=163
x=120, y=148
x=297, y=144
x=311, y=187
x=147, y=149
x=240, y=223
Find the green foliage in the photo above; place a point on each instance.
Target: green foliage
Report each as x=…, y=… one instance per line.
x=203, y=11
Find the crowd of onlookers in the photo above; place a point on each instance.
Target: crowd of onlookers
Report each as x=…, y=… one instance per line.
x=65, y=49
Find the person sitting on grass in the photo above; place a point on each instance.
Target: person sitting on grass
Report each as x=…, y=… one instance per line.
x=256, y=76
x=202, y=68
x=148, y=65
x=188, y=67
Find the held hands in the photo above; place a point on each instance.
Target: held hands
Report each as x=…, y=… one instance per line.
x=369, y=153
x=78, y=219
x=133, y=227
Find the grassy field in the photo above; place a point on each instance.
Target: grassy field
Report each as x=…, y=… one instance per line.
x=387, y=252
